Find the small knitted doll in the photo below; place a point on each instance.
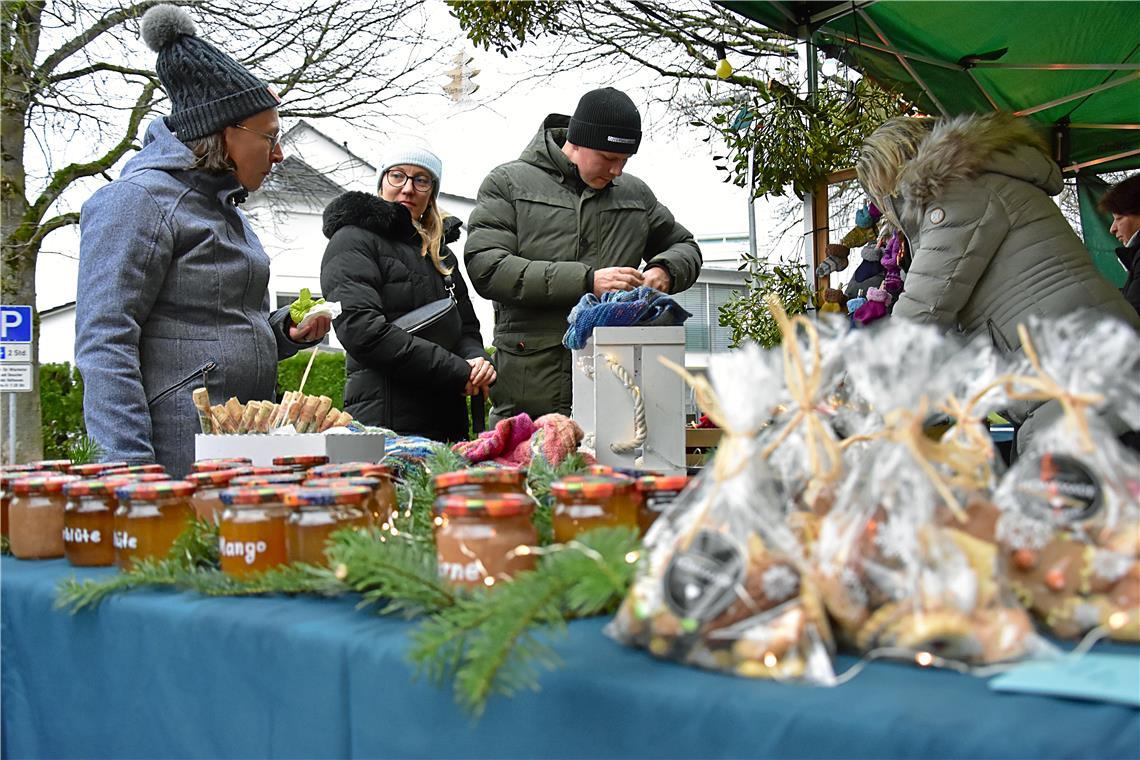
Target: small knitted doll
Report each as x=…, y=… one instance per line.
x=892, y=280
x=870, y=272
x=833, y=301
x=876, y=307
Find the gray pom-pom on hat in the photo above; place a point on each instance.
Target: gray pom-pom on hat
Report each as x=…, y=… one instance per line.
x=208, y=89
x=163, y=24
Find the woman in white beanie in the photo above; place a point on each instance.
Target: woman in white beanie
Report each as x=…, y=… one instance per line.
x=387, y=257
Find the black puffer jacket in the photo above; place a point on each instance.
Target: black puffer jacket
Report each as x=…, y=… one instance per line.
x=373, y=267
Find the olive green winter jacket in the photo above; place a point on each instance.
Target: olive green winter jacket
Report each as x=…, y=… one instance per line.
x=533, y=242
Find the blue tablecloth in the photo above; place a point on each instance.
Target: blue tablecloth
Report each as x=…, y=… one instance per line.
x=158, y=674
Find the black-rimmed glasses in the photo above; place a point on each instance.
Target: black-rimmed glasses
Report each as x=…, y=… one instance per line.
x=421, y=182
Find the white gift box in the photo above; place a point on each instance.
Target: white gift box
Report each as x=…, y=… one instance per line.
x=261, y=448
x=630, y=405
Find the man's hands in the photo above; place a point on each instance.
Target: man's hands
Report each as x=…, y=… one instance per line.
x=616, y=278
x=658, y=278
x=315, y=330
x=628, y=278
x=482, y=375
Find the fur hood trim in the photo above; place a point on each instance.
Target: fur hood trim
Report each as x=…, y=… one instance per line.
x=966, y=146
x=373, y=213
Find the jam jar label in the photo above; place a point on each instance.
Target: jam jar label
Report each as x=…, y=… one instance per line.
x=700, y=581
x=123, y=540
x=82, y=536
x=247, y=550
x=1059, y=489
x=584, y=511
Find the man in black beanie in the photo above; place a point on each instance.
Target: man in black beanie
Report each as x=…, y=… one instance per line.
x=561, y=221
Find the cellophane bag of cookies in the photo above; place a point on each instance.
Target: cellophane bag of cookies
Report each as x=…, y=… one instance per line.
x=896, y=570
x=721, y=581
x=802, y=444
x=1069, y=506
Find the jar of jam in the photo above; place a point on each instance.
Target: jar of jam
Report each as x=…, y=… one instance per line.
x=251, y=536
x=301, y=464
x=89, y=522
x=369, y=506
x=384, y=502
x=482, y=539
x=271, y=479
x=93, y=470
x=657, y=493
x=316, y=514
x=35, y=517
x=134, y=469
x=584, y=502
x=52, y=465
x=150, y=517
x=7, y=475
x=224, y=463
x=479, y=480
x=207, y=500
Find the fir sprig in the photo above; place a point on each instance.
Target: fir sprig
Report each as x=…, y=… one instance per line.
x=495, y=642
x=417, y=494
x=75, y=595
x=396, y=573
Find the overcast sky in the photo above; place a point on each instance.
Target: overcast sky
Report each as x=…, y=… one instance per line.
x=488, y=129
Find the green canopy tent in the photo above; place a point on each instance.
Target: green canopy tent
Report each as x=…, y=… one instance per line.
x=1072, y=66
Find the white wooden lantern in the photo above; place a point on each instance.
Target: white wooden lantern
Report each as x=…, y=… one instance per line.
x=631, y=406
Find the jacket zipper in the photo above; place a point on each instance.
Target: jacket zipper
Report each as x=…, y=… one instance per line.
x=204, y=370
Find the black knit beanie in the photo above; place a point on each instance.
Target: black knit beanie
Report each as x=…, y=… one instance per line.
x=606, y=119
x=209, y=91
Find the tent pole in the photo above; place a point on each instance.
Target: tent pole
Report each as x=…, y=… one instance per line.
x=1101, y=160
x=815, y=199
x=904, y=63
x=1078, y=95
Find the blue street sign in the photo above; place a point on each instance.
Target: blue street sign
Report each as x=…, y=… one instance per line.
x=15, y=324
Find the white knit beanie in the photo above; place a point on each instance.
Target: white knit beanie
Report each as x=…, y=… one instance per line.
x=410, y=153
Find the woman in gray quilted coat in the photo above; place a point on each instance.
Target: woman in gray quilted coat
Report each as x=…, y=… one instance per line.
x=173, y=282
x=989, y=247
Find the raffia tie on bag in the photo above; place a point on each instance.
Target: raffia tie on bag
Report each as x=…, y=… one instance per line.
x=1044, y=388
x=969, y=443
x=825, y=458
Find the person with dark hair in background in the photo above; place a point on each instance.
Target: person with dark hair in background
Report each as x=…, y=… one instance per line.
x=561, y=221
x=173, y=283
x=1123, y=201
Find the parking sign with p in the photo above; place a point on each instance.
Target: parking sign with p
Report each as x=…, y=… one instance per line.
x=15, y=324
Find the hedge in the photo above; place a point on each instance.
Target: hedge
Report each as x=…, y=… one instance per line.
x=61, y=395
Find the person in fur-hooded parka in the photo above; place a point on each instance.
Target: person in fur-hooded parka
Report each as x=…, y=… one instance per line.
x=376, y=268
x=989, y=246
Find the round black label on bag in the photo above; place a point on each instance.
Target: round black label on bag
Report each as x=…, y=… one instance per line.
x=1060, y=489
x=700, y=580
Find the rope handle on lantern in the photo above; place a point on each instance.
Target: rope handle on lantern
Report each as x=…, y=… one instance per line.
x=640, y=426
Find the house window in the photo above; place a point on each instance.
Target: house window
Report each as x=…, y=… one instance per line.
x=703, y=332
x=284, y=299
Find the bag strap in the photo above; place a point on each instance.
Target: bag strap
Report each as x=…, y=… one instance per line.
x=449, y=286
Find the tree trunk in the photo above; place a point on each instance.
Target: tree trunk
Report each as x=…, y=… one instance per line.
x=20, y=248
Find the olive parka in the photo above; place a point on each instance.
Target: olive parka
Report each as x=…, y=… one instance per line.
x=373, y=267
x=534, y=240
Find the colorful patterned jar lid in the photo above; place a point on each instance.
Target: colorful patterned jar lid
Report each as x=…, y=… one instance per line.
x=591, y=486
x=95, y=469
x=308, y=460
x=510, y=476
x=370, y=483
x=654, y=483
x=57, y=465
x=42, y=484
x=159, y=489
x=484, y=505
x=613, y=472
x=8, y=475
x=312, y=497
x=276, y=479
x=91, y=487
x=215, y=478
x=351, y=470
x=248, y=496
x=134, y=468
x=224, y=463
x=266, y=470
x=135, y=477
